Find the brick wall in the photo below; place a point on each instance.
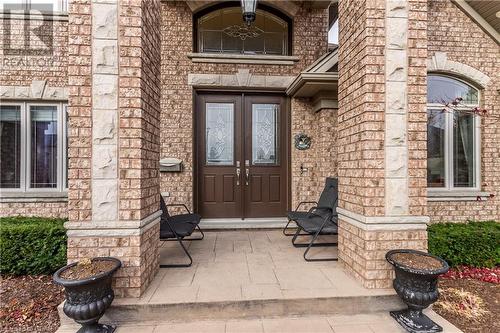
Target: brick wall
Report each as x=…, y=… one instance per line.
x=35, y=208
x=453, y=32
x=320, y=160
x=20, y=70
x=417, y=107
x=80, y=111
x=138, y=254
x=364, y=252
x=309, y=42
x=361, y=106
x=139, y=101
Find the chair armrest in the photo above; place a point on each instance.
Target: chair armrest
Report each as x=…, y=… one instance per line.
x=312, y=209
x=305, y=202
x=179, y=205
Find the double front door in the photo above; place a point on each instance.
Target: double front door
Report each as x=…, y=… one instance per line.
x=242, y=155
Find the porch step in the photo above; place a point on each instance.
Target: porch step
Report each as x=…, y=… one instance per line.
x=375, y=322
x=124, y=313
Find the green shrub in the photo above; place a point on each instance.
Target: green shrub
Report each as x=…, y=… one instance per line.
x=31, y=245
x=474, y=243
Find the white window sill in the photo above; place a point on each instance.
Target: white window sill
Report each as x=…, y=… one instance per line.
x=457, y=195
x=8, y=197
x=34, y=15
x=225, y=58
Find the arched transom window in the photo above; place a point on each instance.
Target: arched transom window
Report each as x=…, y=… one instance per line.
x=223, y=31
x=452, y=134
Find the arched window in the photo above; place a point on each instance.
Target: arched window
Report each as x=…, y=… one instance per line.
x=452, y=134
x=223, y=31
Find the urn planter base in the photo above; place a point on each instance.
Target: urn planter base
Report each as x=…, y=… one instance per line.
x=97, y=328
x=415, y=321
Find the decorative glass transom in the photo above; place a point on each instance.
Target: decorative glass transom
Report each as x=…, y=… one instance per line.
x=223, y=31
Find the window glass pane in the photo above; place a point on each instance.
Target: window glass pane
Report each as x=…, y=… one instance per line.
x=43, y=146
x=10, y=146
x=274, y=43
x=231, y=44
x=463, y=150
x=12, y=5
x=210, y=41
x=219, y=131
x=442, y=90
x=265, y=134
x=254, y=45
x=436, y=125
x=223, y=30
x=211, y=21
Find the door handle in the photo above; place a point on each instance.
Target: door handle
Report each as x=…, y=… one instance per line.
x=247, y=176
x=238, y=172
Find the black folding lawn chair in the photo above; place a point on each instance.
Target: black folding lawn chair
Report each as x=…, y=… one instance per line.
x=178, y=227
x=329, y=191
x=319, y=220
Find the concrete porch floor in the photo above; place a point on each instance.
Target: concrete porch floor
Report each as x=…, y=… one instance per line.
x=249, y=265
x=253, y=281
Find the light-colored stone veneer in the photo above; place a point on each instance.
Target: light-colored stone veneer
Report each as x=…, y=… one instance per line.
x=38, y=90
x=439, y=62
x=396, y=76
x=105, y=101
x=242, y=79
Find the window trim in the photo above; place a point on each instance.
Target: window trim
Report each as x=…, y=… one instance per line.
x=27, y=13
x=228, y=4
x=449, y=188
x=25, y=173
x=22, y=167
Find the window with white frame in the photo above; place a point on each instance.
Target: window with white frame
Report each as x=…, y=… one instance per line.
x=46, y=6
x=453, y=161
x=33, y=151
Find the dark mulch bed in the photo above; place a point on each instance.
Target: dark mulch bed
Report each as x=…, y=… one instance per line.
x=29, y=304
x=471, y=305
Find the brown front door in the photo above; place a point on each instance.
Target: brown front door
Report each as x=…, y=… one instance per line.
x=242, y=156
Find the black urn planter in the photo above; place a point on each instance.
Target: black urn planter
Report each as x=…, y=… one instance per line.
x=418, y=289
x=88, y=299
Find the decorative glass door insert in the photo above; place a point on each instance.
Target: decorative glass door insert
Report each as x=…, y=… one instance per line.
x=265, y=135
x=219, y=133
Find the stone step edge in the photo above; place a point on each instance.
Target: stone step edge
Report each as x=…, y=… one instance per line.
x=245, y=309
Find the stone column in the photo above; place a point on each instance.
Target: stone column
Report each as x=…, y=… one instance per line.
x=382, y=134
x=114, y=78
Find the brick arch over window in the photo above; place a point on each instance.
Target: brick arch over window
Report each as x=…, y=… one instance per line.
x=439, y=63
x=287, y=7
x=220, y=29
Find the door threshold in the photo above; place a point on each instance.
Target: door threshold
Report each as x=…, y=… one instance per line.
x=247, y=223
